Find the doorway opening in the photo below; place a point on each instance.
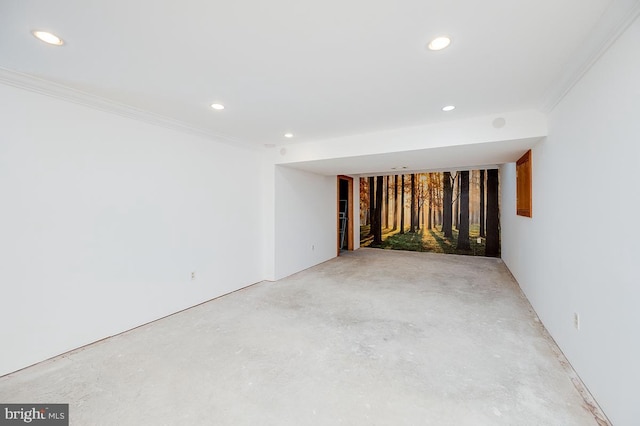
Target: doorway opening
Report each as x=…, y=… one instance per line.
x=345, y=213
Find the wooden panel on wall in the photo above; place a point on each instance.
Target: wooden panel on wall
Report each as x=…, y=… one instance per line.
x=523, y=185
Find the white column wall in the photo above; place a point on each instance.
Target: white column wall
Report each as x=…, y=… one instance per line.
x=306, y=213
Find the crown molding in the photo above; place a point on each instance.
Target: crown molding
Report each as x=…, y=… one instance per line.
x=59, y=91
x=615, y=20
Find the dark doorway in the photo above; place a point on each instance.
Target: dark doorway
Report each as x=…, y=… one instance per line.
x=345, y=213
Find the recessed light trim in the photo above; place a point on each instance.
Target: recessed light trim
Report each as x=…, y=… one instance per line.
x=448, y=108
x=288, y=135
x=439, y=43
x=217, y=107
x=48, y=37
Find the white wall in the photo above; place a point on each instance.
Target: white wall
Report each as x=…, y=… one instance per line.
x=268, y=218
x=306, y=214
x=103, y=219
x=469, y=131
x=580, y=251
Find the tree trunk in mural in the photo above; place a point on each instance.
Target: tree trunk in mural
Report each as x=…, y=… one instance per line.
x=482, y=219
x=418, y=214
x=364, y=202
x=437, y=208
x=446, y=205
x=371, y=203
x=492, y=247
x=402, y=204
x=386, y=202
x=422, y=201
x=456, y=203
x=430, y=200
x=395, y=202
x=463, y=203
x=377, y=217
x=412, y=225
x=382, y=223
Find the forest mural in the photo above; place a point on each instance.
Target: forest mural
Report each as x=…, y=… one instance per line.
x=443, y=212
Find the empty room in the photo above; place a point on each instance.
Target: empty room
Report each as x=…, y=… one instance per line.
x=355, y=212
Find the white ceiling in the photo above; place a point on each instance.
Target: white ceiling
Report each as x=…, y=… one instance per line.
x=317, y=69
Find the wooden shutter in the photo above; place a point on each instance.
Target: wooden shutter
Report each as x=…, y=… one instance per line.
x=523, y=185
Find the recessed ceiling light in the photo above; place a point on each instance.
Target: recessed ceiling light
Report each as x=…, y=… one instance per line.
x=439, y=43
x=217, y=107
x=288, y=135
x=48, y=38
x=448, y=108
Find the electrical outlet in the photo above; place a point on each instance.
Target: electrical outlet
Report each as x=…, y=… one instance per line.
x=193, y=276
x=576, y=321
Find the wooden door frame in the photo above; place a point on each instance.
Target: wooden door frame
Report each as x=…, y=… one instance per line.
x=350, y=222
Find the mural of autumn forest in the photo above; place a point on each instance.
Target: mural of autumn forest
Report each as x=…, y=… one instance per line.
x=443, y=212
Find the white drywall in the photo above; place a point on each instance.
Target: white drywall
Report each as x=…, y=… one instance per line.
x=268, y=219
x=580, y=251
x=104, y=218
x=517, y=125
x=306, y=217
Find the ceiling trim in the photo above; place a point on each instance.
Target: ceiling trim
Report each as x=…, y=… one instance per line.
x=616, y=19
x=59, y=91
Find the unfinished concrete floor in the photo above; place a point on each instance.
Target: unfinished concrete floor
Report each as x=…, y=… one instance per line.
x=370, y=338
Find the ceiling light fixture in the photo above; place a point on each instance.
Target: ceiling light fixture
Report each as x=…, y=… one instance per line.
x=439, y=43
x=217, y=107
x=288, y=135
x=48, y=37
x=448, y=108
